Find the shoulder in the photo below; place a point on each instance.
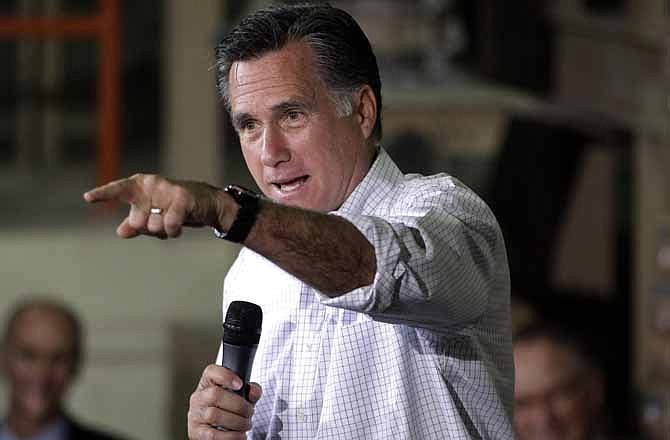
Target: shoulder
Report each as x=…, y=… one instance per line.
x=427, y=186
x=439, y=190
x=82, y=432
x=437, y=200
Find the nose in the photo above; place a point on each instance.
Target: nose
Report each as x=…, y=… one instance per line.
x=275, y=147
x=42, y=369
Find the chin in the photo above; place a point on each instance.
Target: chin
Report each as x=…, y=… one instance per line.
x=298, y=202
x=302, y=204
x=39, y=409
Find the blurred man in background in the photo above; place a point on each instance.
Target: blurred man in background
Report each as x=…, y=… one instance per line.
x=40, y=356
x=559, y=388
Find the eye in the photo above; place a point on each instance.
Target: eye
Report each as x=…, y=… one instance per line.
x=248, y=125
x=26, y=355
x=294, y=117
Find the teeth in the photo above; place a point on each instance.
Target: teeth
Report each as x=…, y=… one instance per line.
x=292, y=186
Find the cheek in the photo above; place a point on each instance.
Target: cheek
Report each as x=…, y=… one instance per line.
x=253, y=161
x=20, y=371
x=63, y=372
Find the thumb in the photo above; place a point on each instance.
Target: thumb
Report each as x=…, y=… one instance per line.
x=255, y=392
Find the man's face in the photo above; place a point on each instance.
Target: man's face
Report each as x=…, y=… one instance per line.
x=555, y=397
x=298, y=149
x=38, y=362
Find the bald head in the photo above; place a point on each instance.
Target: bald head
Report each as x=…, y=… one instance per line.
x=50, y=318
x=41, y=352
x=558, y=386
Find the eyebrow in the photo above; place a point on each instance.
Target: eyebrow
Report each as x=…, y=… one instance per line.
x=289, y=105
x=239, y=118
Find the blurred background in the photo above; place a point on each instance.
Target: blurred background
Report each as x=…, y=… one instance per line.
x=556, y=112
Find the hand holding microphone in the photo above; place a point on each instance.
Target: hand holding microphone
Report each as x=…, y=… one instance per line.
x=219, y=399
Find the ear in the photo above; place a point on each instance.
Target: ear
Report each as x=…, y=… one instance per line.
x=366, y=112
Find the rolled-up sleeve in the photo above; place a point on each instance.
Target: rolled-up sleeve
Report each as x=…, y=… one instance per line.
x=437, y=250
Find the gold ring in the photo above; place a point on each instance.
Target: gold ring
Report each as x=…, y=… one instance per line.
x=158, y=211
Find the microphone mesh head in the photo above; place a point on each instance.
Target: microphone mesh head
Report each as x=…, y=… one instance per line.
x=243, y=323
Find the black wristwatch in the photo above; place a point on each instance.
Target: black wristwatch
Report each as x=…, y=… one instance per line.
x=246, y=215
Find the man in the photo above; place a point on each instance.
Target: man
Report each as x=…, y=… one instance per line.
x=385, y=297
x=40, y=357
x=559, y=388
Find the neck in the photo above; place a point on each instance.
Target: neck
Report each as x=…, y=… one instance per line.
x=368, y=157
x=24, y=425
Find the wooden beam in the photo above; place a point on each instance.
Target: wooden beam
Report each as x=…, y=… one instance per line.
x=85, y=27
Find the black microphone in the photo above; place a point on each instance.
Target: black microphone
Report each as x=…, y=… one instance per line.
x=241, y=333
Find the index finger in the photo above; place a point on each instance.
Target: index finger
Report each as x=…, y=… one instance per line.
x=121, y=190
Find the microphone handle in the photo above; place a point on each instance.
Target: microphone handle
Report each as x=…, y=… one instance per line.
x=238, y=359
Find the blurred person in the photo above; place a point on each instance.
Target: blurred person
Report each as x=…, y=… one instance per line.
x=559, y=387
x=385, y=296
x=40, y=357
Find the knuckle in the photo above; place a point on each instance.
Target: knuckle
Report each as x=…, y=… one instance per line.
x=211, y=371
x=192, y=420
x=210, y=434
x=202, y=383
x=210, y=414
x=163, y=184
x=210, y=395
x=181, y=193
x=150, y=180
x=194, y=400
x=240, y=407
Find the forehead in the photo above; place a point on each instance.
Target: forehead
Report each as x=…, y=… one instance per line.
x=43, y=328
x=541, y=364
x=283, y=74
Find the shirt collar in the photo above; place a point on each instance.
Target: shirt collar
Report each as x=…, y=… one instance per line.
x=380, y=180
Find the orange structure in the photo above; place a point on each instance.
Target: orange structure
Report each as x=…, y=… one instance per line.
x=105, y=28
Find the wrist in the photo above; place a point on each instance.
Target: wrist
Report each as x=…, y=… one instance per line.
x=239, y=209
x=226, y=211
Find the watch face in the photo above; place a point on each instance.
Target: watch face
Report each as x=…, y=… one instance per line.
x=240, y=193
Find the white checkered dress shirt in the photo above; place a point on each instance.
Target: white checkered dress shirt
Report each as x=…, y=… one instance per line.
x=422, y=353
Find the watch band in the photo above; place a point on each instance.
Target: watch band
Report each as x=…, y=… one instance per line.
x=246, y=214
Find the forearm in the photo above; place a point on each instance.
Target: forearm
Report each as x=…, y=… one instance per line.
x=325, y=251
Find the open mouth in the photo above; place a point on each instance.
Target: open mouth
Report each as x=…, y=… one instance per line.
x=290, y=185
